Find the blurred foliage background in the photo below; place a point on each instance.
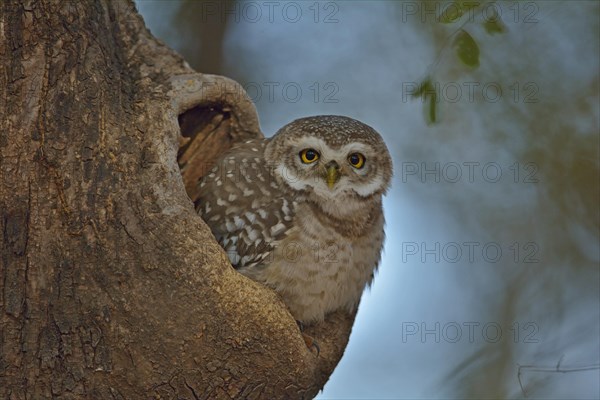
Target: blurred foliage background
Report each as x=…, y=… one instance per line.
x=490, y=284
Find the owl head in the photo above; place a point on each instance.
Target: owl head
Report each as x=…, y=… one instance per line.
x=338, y=162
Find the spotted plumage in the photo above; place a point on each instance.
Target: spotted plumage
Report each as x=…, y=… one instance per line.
x=301, y=212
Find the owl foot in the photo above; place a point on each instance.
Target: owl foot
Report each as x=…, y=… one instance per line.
x=311, y=343
x=309, y=340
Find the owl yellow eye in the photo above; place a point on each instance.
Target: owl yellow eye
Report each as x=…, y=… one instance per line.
x=357, y=160
x=309, y=156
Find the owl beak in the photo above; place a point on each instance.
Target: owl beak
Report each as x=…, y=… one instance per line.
x=333, y=173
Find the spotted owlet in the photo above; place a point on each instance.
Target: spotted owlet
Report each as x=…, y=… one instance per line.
x=301, y=212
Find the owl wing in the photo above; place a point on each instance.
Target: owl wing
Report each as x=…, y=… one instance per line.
x=246, y=209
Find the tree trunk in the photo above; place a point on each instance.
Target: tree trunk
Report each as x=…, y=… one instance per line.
x=111, y=286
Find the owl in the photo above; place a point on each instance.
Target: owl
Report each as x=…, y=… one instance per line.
x=301, y=212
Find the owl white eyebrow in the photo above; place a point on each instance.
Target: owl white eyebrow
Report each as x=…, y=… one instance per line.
x=355, y=148
x=319, y=144
x=313, y=142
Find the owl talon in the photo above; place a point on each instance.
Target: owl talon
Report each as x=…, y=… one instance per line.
x=311, y=343
x=309, y=340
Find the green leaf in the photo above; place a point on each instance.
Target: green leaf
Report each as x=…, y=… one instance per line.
x=494, y=24
x=466, y=49
x=425, y=89
x=431, y=116
x=451, y=13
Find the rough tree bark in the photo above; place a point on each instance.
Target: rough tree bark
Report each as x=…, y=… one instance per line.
x=110, y=285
